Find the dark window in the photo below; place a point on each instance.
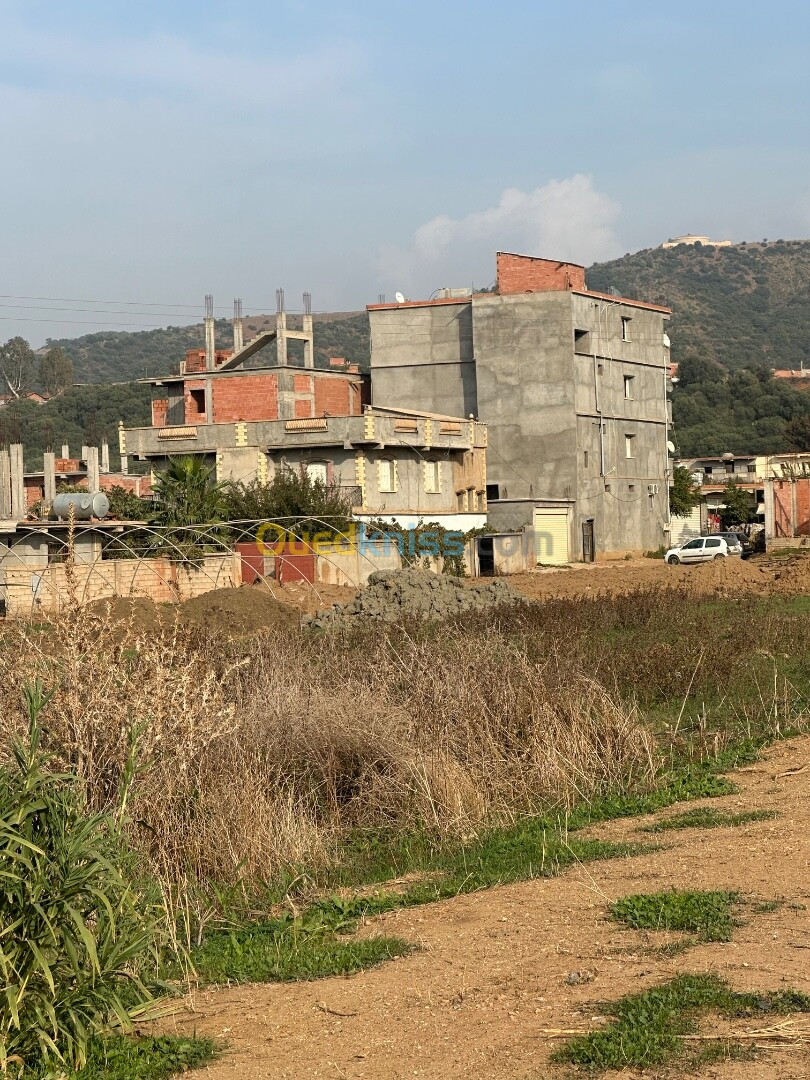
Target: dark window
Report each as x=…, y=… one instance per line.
x=198, y=401
x=492, y=492
x=585, y=458
x=582, y=341
x=626, y=327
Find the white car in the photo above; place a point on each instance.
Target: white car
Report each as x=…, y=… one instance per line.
x=701, y=549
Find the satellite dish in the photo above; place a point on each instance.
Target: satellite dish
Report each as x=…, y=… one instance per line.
x=671, y=447
x=667, y=342
x=400, y=299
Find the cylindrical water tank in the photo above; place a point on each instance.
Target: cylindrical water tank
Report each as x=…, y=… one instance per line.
x=87, y=504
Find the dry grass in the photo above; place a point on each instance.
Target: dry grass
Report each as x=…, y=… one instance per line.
x=257, y=756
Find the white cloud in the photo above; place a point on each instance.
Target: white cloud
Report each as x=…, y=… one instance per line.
x=563, y=219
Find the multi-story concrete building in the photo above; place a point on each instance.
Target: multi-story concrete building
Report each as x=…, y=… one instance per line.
x=572, y=386
x=250, y=418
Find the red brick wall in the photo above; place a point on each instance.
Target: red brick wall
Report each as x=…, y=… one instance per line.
x=194, y=408
x=302, y=384
x=160, y=409
x=195, y=359
x=138, y=485
x=522, y=273
x=332, y=396
x=303, y=408
x=67, y=464
x=245, y=397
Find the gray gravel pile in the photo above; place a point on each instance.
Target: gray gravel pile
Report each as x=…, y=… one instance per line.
x=392, y=595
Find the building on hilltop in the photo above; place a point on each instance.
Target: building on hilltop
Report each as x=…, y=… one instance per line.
x=249, y=415
x=690, y=239
x=572, y=386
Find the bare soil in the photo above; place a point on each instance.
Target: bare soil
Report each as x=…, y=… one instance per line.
x=762, y=575
x=499, y=969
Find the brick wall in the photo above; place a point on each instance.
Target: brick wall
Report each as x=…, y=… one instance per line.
x=522, y=273
x=195, y=359
x=138, y=485
x=160, y=580
x=337, y=397
x=194, y=403
x=160, y=410
x=245, y=397
x=303, y=408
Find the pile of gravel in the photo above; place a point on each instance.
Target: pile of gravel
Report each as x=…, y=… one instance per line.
x=392, y=595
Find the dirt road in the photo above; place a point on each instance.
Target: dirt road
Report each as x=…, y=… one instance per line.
x=495, y=968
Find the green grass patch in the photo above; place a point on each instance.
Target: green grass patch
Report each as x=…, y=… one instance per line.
x=706, y=817
x=120, y=1057
x=707, y=914
x=649, y=1026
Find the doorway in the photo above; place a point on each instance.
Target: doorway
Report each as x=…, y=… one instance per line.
x=588, y=552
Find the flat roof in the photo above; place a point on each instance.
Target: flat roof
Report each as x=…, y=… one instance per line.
x=529, y=292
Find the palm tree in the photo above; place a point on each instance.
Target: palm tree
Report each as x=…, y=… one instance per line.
x=187, y=493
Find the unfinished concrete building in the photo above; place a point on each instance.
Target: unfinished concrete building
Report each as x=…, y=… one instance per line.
x=253, y=410
x=572, y=386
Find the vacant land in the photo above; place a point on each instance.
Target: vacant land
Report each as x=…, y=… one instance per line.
x=424, y=833
x=498, y=970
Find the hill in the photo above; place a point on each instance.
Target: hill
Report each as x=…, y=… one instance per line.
x=113, y=356
x=739, y=306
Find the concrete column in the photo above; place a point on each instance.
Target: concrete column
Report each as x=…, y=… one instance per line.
x=87, y=547
x=105, y=457
x=18, y=505
x=65, y=450
x=92, y=468
x=5, y=485
x=281, y=337
x=124, y=464
x=238, y=329
x=49, y=472
x=210, y=340
x=85, y=453
x=309, y=344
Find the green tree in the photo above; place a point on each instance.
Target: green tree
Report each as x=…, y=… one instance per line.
x=17, y=365
x=291, y=494
x=737, y=510
x=684, y=494
x=797, y=433
x=55, y=371
x=187, y=493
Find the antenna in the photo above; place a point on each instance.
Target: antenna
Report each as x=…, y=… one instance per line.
x=381, y=298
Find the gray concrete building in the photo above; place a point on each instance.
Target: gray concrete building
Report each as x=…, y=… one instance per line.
x=572, y=386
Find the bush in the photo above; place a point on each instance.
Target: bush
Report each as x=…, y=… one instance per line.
x=73, y=928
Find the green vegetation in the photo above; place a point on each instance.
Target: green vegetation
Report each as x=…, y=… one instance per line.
x=120, y=1057
x=706, y=817
x=649, y=1026
x=684, y=495
x=708, y=914
x=113, y=356
x=187, y=493
x=740, y=306
x=82, y=415
x=75, y=930
x=318, y=504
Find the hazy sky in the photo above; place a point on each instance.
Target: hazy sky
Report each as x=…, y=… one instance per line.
x=153, y=152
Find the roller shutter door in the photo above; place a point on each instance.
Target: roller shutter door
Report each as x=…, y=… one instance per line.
x=551, y=537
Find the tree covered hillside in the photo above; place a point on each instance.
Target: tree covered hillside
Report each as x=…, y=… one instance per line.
x=742, y=305
x=113, y=356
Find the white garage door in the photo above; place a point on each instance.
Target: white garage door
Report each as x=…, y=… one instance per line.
x=551, y=537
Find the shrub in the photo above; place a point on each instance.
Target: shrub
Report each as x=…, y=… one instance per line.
x=74, y=929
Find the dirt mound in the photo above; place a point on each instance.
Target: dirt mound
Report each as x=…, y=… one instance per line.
x=238, y=611
x=392, y=595
x=138, y=613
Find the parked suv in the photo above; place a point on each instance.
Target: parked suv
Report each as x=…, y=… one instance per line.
x=701, y=549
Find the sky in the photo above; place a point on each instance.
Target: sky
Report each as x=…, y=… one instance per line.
x=154, y=152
